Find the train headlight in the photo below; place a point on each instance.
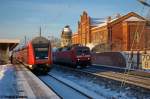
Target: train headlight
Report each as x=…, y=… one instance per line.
x=46, y=57
x=88, y=58
x=47, y=65
x=37, y=57
x=78, y=59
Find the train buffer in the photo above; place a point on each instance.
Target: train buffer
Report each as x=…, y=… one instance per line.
x=19, y=83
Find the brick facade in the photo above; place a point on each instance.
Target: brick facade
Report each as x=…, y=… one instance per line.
x=122, y=33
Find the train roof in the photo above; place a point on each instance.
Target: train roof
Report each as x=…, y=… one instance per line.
x=39, y=39
x=75, y=46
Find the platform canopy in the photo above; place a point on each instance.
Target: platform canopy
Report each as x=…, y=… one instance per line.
x=10, y=43
x=6, y=46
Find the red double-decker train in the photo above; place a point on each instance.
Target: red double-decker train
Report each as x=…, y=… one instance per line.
x=37, y=54
x=74, y=56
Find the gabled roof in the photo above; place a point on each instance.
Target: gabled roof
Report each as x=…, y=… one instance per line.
x=131, y=15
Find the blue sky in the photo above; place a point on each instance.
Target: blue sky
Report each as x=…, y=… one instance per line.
x=24, y=17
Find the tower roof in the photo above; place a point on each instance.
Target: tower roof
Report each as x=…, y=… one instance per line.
x=67, y=31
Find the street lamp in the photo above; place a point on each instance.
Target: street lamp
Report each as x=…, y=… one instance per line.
x=144, y=3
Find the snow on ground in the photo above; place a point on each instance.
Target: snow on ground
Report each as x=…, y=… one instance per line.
x=7, y=81
x=95, y=87
x=80, y=88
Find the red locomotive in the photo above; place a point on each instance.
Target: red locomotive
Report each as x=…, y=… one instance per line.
x=37, y=54
x=74, y=56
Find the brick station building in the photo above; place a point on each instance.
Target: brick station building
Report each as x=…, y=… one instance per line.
x=122, y=33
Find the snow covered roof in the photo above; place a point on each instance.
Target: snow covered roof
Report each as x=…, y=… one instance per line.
x=96, y=21
x=66, y=29
x=75, y=33
x=113, y=19
x=9, y=40
x=100, y=23
x=133, y=18
x=12, y=43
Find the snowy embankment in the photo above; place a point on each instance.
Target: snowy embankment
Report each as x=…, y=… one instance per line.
x=97, y=87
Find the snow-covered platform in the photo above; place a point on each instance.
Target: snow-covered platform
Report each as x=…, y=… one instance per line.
x=19, y=82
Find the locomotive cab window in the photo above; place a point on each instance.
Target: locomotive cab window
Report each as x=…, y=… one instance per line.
x=86, y=51
x=81, y=51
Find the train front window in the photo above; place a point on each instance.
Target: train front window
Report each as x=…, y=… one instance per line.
x=41, y=53
x=86, y=51
x=81, y=51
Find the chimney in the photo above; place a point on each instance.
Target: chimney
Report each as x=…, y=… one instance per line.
x=109, y=18
x=118, y=15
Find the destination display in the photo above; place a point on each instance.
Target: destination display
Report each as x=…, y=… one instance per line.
x=41, y=49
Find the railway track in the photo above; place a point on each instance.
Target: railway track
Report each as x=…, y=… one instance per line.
x=66, y=89
x=120, y=76
x=126, y=79
x=139, y=73
x=106, y=68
